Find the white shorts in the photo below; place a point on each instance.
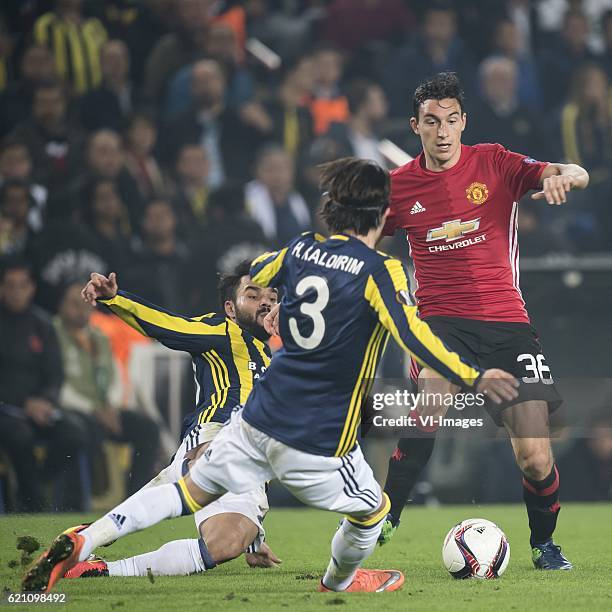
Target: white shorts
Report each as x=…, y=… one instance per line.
x=253, y=503
x=241, y=456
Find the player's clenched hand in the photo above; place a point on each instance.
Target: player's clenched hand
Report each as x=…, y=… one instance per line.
x=555, y=188
x=99, y=286
x=499, y=385
x=263, y=558
x=271, y=321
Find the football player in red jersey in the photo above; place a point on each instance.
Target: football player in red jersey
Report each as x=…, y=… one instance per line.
x=458, y=207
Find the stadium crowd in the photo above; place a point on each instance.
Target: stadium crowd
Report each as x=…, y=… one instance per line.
x=168, y=140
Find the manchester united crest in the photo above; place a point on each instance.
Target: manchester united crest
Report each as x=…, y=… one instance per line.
x=477, y=193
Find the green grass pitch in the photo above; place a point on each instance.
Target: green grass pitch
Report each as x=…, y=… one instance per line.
x=301, y=538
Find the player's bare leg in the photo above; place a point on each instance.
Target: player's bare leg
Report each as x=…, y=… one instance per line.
x=354, y=542
x=528, y=426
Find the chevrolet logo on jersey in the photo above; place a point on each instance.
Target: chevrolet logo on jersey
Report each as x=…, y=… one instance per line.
x=451, y=230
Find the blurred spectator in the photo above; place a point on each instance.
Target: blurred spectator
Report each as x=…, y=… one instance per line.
x=586, y=122
x=272, y=200
x=522, y=15
x=161, y=269
x=551, y=14
x=139, y=24
x=91, y=393
x=539, y=234
x=55, y=146
x=191, y=188
x=436, y=48
x=507, y=43
x=31, y=376
x=587, y=466
x=499, y=116
x=16, y=163
x=328, y=102
x=351, y=24
x=228, y=141
x=606, y=26
x=106, y=160
x=75, y=42
x=291, y=120
x=368, y=108
x=65, y=252
x=560, y=59
x=15, y=204
x=288, y=31
x=6, y=52
x=105, y=216
x=179, y=48
x=16, y=100
x=221, y=46
x=583, y=133
x=140, y=139
x=231, y=237
x=108, y=105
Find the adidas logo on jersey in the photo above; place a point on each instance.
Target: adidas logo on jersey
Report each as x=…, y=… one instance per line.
x=417, y=208
x=118, y=519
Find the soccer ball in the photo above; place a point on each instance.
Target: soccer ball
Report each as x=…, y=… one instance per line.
x=476, y=548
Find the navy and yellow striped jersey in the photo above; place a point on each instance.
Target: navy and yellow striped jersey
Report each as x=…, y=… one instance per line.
x=341, y=301
x=227, y=360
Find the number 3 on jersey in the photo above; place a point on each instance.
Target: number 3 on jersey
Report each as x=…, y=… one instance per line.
x=312, y=310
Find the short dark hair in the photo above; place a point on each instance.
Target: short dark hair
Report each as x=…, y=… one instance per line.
x=230, y=281
x=88, y=195
x=356, y=194
x=15, y=262
x=439, y=87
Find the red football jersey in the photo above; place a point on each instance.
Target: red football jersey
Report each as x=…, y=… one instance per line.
x=461, y=226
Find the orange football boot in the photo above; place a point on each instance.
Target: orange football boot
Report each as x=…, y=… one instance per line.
x=371, y=581
x=94, y=567
x=63, y=554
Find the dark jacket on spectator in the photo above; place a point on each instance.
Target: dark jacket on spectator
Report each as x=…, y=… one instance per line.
x=55, y=157
x=102, y=108
x=238, y=141
x=30, y=358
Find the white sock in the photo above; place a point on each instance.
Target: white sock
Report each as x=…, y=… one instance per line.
x=350, y=547
x=177, y=558
x=145, y=508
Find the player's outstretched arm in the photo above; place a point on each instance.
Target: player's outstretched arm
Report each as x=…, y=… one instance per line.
x=388, y=296
x=266, y=269
x=172, y=330
x=558, y=179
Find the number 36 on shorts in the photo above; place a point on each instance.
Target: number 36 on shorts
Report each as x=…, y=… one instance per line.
x=536, y=368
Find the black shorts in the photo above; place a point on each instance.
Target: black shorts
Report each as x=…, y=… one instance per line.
x=514, y=347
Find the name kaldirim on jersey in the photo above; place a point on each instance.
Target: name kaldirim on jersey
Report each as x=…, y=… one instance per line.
x=314, y=254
